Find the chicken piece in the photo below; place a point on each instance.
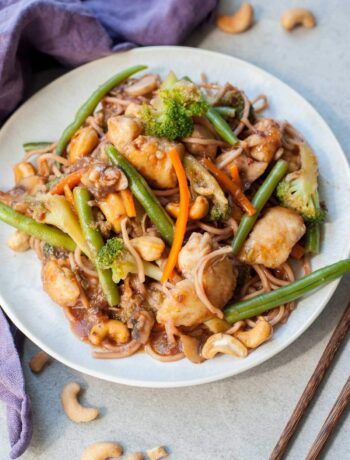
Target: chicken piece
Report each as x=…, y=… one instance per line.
x=249, y=169
x=184, y=308
x=149, y=156
x=273, y=238
x=60, y=284
x=219, y=278
x=265, y=142
x=201, y=132
x=123, y=129
x=198, y=246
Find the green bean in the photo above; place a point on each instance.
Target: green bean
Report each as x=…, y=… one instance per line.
x=225, y=111
x=312, y=239
x=144, y=195
x=260, y=199
x=221, y=126
x=95, y=242
x=29, y=146
x=90, y=105
x=51, y=235
x=264, y=302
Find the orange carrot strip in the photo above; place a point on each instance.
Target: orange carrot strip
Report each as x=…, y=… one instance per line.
x=297, y=252
x=128, y=202
x=69, y=195
x=181, y=221
x=230, y=187
x=71, y=180
x=235, y=175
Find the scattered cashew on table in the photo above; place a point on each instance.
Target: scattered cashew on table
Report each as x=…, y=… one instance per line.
x=72, y=407
x=39, y=361
x=238, y=22
x=102, y=451
x=298, y=17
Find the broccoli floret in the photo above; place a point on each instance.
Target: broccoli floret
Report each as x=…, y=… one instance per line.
x=171, y=113
x=298, y=190
x=49, y=250
x=114, y=255
x=55, y=210
x=109, y=252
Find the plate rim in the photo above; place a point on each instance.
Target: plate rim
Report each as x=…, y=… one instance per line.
x=225, y=374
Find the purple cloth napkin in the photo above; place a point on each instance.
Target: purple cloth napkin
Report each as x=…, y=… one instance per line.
x=72, y=32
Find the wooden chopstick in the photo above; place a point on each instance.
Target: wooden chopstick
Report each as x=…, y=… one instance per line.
x=330, y=422
x=312, y=385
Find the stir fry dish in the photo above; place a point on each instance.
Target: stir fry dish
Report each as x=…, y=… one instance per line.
x=171, y=217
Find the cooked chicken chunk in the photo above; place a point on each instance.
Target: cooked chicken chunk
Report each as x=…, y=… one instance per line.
x=249, y=169
x=184, y=308
x=150, y=157
x=219, y=278
x=265, y=142
x=201, y=132
x=198, y=246
x=60, y=283
x=123, y=129
x=273, y=238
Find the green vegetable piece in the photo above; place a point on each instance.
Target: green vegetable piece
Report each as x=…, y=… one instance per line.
x=43, y=232
x=203, y=183
x=55, y=210
x=221, y=126
x=312, y=239
x=171, y=114
x=109, y=252
x=90, y=105
x=144, y=195
x=29, y=146
x=226, y=112
x=260, y=199
x=299, y=191
x=265, y=302
x=95, y=243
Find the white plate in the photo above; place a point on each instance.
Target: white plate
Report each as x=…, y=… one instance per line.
x=46, y=114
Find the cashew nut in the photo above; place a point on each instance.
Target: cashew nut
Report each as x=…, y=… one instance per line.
x=238, y=22
x=38, y=361
x=223, y=343
x=298, y=17
x=73, y=409
x=19, y=241
x=198, y=209
x=113, y=328
x=102, y=451
x=254, y=337
x=157, y=453
x=135, y=456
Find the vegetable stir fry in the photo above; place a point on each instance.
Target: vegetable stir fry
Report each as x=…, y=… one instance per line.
x=171, y=217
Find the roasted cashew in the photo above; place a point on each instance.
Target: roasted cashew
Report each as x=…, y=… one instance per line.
x=238, y=22
x=157, y=453
x=73, y=409
x=199, y=208
x=19, y=241
x=38, y=362
x=223, y=343
x=254, y=337
x=298, y=17
x=135, y=456
x=102, y=451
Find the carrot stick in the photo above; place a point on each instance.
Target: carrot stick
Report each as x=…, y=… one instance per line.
x=69, y=195
x=181, y=221
x=297, y=252
x=71, y=180
x=128, y=202
x=235, y=175
x=230, y=187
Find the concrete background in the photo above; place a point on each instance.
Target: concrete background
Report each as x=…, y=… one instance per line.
x=242, y=417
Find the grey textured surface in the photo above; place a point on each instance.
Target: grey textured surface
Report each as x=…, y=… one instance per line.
x=239, y=418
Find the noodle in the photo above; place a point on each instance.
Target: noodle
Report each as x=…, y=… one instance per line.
x=163, y=358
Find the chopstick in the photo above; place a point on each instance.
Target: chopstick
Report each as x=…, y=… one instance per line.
x=325, y=361
x=330, y=422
